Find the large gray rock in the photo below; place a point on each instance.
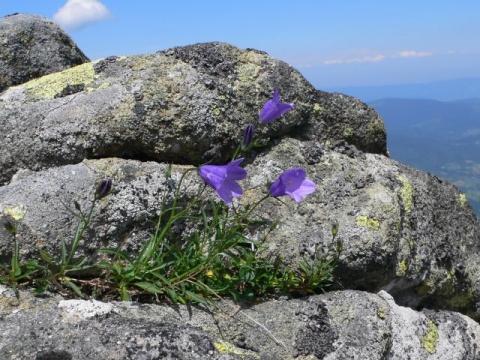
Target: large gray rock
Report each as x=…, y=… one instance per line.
x=340, y=325
x=32, y=46
x=185, y=105
x=402, y=230
x=39, y=203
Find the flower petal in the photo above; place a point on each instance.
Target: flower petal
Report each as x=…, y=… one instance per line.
x=273, y=109
x=222, y=178
x=234, y=171
x=228, y=190
x=306, y=188
x=213, y=175
x=293, y=182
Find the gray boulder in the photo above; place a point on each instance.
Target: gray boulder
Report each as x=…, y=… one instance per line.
x=33, y=46
x=184, y=105
x=338, y=325
x=402, y=230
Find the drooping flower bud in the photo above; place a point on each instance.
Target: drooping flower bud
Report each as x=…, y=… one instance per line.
x=103, y=189
x=248, y=136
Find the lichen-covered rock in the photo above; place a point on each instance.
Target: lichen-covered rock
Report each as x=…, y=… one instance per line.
x=41, y=204
x=366, y=132
x=339, y=325
x=402, y=230
x=86, y=331
x=32, y=46
x=185, y=105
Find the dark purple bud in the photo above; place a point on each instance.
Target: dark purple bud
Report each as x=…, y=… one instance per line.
x=248, y=136
x=103, y=189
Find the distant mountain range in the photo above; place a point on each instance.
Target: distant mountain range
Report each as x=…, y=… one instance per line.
x=447, y=90
x=441, y=137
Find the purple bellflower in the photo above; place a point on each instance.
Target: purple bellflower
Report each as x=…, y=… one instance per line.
x=222, y=178
x=273, y=109
x=293, y=183
x=248, y=136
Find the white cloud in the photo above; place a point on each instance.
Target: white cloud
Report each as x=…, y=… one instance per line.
x=411, y=53
x=379, y=57
x=76, y=14
x=375, y=58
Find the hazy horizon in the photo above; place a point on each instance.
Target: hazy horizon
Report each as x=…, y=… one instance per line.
x=443, y=90
x=333, y=44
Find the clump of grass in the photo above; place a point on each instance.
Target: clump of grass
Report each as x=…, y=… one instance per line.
x=216, y=259
x=18, y=272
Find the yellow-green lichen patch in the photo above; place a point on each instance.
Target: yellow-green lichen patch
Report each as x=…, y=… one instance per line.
x=376, y=126
x=102, y=86
x=252, y=57
x=462, y=301
x=16, y=212
x=365, y=221
x=381, y=312
x=402, y=267
x=463, y=200
x=348, y=132
x=430, y=339
x=224, y=347
x=50, y=85
x=406, y=194
x=317, y=109
x=426, y=287
x=248, y=72
x=216, y=111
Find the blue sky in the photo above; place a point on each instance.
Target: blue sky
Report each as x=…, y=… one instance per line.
x=332, y=42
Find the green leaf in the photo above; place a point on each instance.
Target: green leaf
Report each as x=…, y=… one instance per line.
x=151, y=288
x=172, y=293
x=45, y=256
x=64, y=251
x=124, y=295
x=75, y=289
x=198, y=299
x=39, y=290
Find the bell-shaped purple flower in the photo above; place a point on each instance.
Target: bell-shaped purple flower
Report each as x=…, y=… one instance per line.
x=294, y=183
x=223, y=179
x=273, y=109
x=248, y=136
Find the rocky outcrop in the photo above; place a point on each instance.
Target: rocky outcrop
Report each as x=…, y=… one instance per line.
x=338, y=325
x=184, y=105
x=404, y=232
x=33, y=46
